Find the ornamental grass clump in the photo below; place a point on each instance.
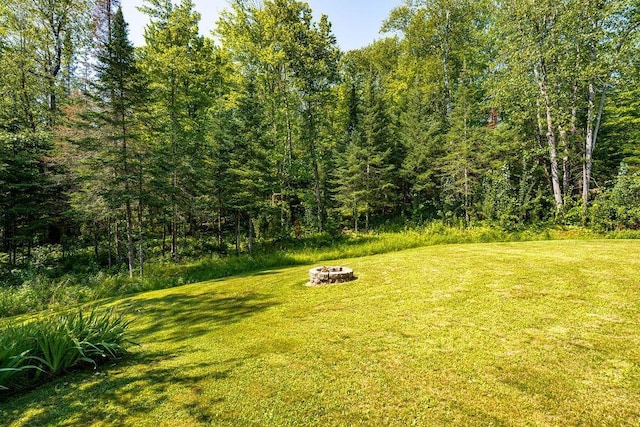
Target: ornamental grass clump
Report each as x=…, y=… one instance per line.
x=43, y=349
x=15, y=367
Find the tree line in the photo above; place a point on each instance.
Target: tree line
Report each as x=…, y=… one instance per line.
x=513, y=112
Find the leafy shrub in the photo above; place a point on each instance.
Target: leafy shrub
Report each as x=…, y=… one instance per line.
x=619, y=207
x=499, y=202
x=45, y=348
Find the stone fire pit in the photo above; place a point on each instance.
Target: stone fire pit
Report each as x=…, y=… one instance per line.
x=327, y=275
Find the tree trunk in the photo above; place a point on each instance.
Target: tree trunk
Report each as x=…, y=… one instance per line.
x=127, y=191
x=129, y=221
x=140, y=239
x=467, y=216
x=25, y=98
x=140, y=216
x=237, y=233
x=367, y=205
x=315, y=166
x=590, y=140
x=566, y=164
x=366, y=217
x=164, y=239
x=250, y=243
x=109, y=251
x=56, y=25
x=116, y=242
x=174, y=173
x=287, y=161
x=592, y=129
x=355, y=217
x=174, y=233
x=541, y=77
x=219, y=228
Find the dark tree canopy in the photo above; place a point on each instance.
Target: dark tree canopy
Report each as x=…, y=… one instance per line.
x=511, y=113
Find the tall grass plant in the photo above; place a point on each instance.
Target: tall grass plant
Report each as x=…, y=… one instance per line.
x=42, y=349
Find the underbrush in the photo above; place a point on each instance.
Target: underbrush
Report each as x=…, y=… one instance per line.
x=39, y=350
x=40, y=292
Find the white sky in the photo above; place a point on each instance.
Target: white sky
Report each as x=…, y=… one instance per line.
x=355, y=22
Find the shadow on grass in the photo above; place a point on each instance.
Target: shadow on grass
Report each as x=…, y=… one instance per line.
x=179, y=317
x=137, y=385
x=109, y=397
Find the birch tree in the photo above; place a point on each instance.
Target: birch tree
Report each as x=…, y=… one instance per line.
x=609, y=34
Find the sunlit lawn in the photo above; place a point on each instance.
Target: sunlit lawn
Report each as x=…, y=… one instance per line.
x=539, y=333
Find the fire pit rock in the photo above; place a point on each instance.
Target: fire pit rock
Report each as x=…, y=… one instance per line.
x=328, y=275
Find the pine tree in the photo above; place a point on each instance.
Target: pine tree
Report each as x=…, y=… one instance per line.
x=422, y=134
x=177, y=62
x=119, y=93
x=366, y=173
x=350, y=191
x=247, y=174
x=25, y=191
x=295, y=63
x=462, y=162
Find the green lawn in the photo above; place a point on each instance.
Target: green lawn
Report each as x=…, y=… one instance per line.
x=537, y=333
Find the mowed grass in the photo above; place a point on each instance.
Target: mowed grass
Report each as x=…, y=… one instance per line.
x=535, y=333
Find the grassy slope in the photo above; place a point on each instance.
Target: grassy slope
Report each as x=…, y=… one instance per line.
x=538, y=333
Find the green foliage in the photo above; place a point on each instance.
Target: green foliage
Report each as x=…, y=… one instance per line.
x=498, y=198
x=181, y=69
x=53, y=345
x=16, y=365
x=186, y=146
x=119, y=92
x=56, y=348
x=39, y=44
x=620, y=136
x=291, y=63
x=366, y=169
x=26, y=199
x=465, y=151
x=555, y=64
x=422, y=135
x=99, y=335
x=619, y=207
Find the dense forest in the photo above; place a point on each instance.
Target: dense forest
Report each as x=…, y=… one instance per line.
x=507, y=112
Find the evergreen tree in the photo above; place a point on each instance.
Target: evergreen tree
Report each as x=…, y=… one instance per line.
x=422, y=133
x=25, y=191
x=119, y=92
x=350, y=186
x=246, y=174
x=295, y=64
x=462, y=162
x=177, y=62
x=366, y=173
